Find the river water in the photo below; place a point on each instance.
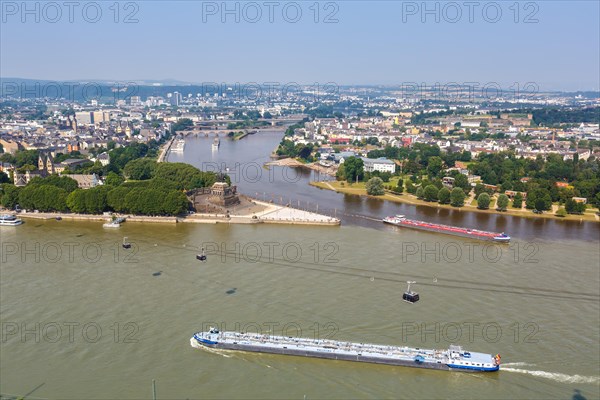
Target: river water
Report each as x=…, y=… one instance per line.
x=83, y=318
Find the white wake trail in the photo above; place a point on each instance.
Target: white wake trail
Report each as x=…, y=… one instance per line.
x=517, y=364
x=556, y=376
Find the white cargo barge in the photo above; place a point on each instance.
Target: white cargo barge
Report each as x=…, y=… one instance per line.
x=455, y=358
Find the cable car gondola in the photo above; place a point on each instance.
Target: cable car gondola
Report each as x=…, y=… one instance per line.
x=126, y=244
x=410, y=296
x=201, y=256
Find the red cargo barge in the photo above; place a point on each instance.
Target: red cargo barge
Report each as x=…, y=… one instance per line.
x=401, y=220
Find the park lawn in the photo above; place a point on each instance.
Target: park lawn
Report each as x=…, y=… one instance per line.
x=348, y=185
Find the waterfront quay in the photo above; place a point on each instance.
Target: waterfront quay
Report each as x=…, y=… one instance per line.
x=265, y=213
x=261, y=213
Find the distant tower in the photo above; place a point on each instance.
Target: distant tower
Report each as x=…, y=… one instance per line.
x=49, y=164
x=41, y=161
x=128, y=130
x=45, y=163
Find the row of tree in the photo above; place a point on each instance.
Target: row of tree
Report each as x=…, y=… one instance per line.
x=155, y=189
x=124, y=199
x=455, y=197
x=143, y=198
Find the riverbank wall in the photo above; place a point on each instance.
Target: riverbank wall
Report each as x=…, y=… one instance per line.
x=272, y=214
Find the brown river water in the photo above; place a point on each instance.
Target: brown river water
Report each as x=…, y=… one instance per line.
x=83, y=318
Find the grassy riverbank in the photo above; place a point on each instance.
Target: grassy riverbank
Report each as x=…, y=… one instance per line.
x=470, y=206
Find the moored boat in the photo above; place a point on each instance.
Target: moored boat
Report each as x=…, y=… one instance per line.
x=116, y=223
x=401, y=220
x=10, y=220
x=179, y=146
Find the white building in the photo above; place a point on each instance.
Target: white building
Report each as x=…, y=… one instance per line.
x=104, y=159
x=381, y=164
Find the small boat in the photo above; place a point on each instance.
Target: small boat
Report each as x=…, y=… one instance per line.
x=201, y=256
x=216, y=143
x=10, y=220
x=58, y=218
x=126, y=244
x=410, y=296
x=116, y=223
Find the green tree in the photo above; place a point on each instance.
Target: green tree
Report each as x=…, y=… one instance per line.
x=95, y=199
x=26, y=157
x=76, y=201
x=444, y=196
x=502, y=202
x=116, y=198
x=64, y=182
x=175, y=202
x=400, y=187
x=43, y=198
x=185, y=176
x=483, y=201
x=140, y=169
x=430, y=193
x=113, y=179
x=561, y=212
x=374, y=186
x=540, y=205
x=4, y=178
x=539, y=194
x=518, y=201
x=340, y=175
x=353, y=168
x=457, y=197
x=10, y=195
x=571, y=206
x=181, y=125
x=479, y=188
x=434, y=166
x=419, y=192
x=8, y=158
x=385, y=176
x=462, y=182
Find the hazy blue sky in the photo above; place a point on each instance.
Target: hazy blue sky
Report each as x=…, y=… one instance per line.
x=372, y=43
